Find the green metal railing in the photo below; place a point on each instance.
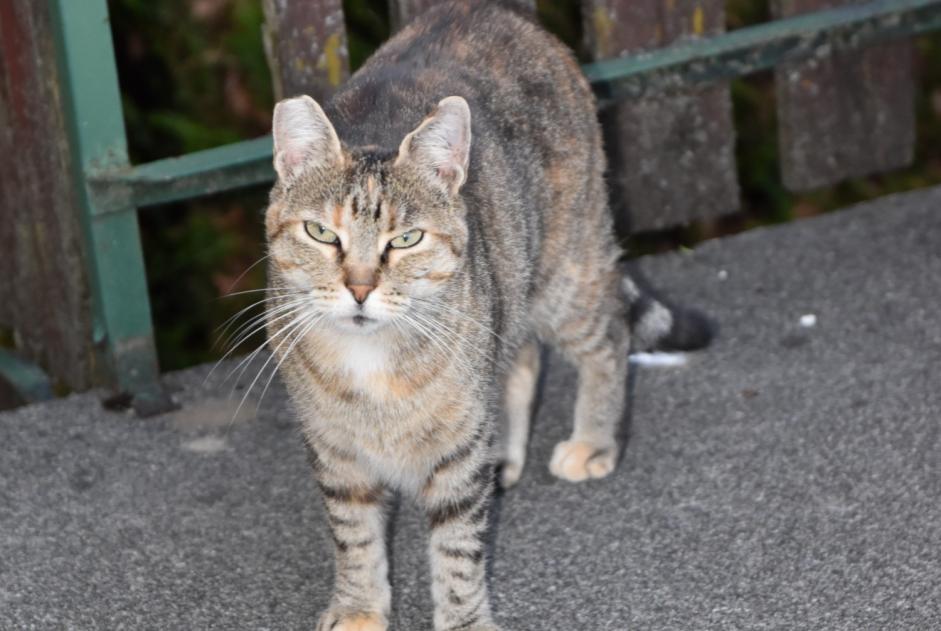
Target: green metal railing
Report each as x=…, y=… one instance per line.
x=112, y=189
x=27, y=381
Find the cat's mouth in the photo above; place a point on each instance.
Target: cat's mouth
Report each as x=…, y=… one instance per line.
x=358, y=323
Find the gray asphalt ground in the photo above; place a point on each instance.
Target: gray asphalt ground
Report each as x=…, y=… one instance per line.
x=787, y=478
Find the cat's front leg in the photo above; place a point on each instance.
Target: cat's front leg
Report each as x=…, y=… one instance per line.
x=456, y=498
x=356, y=511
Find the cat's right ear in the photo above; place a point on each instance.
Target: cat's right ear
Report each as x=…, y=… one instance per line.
x=303, y=137
x=440, y=147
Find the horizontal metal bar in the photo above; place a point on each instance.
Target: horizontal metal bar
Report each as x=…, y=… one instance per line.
x=192, y=175
x=751, y=49
x=29, y=382
x=695, y=62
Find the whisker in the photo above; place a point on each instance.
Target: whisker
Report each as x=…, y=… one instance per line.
x=259, y=302
x=452, y=311
x=435, y=339
x=451, y=336
x=255, y=291
x=439, y=324
x=255, y=325
x=247, y=360
x=238, y=336
x=455, y=336
x=247, y=270
x=297, y=339
x=300, y=321
x=424, y=332
x=231, y=320
x=250, y=356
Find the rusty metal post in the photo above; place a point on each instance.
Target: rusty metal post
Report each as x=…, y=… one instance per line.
x=844, y=114
x=45, y=297
x=672, y=156
x=305, y=41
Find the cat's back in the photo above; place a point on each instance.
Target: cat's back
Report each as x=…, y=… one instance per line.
x=517, y=78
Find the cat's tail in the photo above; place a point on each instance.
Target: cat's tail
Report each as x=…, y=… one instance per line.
x=659, y=325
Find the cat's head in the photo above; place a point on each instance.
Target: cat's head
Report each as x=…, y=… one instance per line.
x=366, y=235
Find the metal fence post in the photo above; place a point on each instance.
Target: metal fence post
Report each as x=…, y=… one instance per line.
x=121, y=328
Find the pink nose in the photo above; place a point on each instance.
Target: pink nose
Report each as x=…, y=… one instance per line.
x=360, y=292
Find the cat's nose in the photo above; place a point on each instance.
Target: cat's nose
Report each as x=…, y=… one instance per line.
x=360, y=292
x=360, y=280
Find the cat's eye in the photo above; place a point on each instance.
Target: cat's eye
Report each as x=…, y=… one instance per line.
x=318, y=233
x=407, y=239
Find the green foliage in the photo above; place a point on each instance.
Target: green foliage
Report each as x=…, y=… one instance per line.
x=367, y=26
x=194, y=75
x=563, y=18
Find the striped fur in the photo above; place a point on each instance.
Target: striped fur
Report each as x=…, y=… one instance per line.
x=657, y=325
x=476, y=128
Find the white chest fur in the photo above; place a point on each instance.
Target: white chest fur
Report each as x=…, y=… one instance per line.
x=361, y=357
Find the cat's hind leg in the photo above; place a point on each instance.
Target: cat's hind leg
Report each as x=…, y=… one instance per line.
x=595, y=337
x=520, y=393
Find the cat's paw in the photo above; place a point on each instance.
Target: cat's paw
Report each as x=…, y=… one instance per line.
x=336, y=621
x=575, y=460
x=510, y=473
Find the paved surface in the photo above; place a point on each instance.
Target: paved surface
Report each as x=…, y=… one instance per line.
x=787, y=478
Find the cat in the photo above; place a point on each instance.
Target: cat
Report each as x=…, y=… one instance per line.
x=433, y=223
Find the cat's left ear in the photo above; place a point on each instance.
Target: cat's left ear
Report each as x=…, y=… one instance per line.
x=303, y=137
x=440, y=146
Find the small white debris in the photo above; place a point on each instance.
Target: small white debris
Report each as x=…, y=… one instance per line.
x=808, y=320
x=206, y=445
x=658, y=359
x=723, y=275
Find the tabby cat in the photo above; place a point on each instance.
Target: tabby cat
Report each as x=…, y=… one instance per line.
x=434, y=222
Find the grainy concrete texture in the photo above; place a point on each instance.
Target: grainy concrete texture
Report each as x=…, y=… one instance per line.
x=786, y=478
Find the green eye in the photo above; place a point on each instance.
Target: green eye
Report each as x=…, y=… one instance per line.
x=407, y=239
x=319, y=233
